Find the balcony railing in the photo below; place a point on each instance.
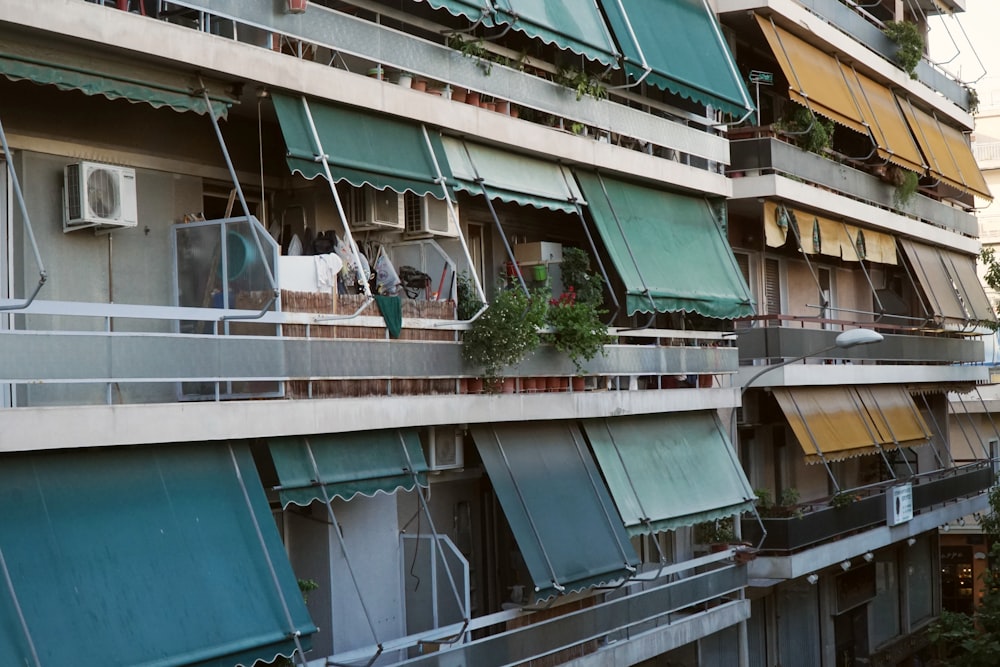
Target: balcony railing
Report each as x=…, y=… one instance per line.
x=817, y=524
x=769, y=155
x=348, y=357
x=792, y=339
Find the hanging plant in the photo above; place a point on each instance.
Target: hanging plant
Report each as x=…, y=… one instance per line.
x=972, y=100
x=905, y=188
x=909, y=44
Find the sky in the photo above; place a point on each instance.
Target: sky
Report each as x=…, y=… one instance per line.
x=967, y=45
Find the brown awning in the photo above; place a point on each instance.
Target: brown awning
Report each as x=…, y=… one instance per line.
x=946, y=151
x=888, y=126
x=949, y=281
x=835, y=423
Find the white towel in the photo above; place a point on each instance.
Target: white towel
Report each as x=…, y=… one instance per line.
x=327, y=268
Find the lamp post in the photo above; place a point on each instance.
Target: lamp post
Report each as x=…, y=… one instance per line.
x=844, y=340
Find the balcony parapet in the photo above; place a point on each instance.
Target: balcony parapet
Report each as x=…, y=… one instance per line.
x=815, y=523
x=797, y=336
x=769, y=155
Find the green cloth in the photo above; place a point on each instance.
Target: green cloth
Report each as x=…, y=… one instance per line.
x=364, y=462
x=391, y=308
x=671, y=244
x=361, y=147
x=114, y=77
x=666, y=471
x=143, y=555
x=556, y=504
x=510, y=177
x=684, y=47
x=571, y=25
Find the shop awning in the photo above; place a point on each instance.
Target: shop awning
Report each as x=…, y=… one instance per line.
x=815, y=79
x=92, y=72
x=949, y=282
x=151, y=555
x=359, y=462
x=681, y=44
x=666, y=471
x=947, y=152
x=559, y=510
x=848, y=421
x=510, y=177
x=669, y=249
x=361, y=147
x=822, y=235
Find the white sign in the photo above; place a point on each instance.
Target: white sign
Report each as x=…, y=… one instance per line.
x=899, y=504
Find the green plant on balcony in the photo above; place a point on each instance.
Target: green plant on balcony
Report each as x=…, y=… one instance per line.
x=468, y=303
x=909, y=44
x=720, y=531
x=575, y=315
x=906, y=187
x=972, y=99
x=582, y=82
x=844, y=498
x=785, y=507
x=807, y=130
x=472, y=48
x=505, y=333
x=987, y=256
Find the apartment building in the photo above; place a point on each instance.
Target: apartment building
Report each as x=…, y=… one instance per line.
x=238, y=425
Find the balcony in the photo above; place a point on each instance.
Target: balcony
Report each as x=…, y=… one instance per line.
x=769, y=155
x=792, y=339
x=817, y=524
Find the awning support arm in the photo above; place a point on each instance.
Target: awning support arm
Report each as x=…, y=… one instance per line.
x=864, y=269
x=793, y=224
x=531, y=521
x=638, y=271
x=496, y=221
x=975, y=431
x=343, y=549
x=439, y=176
x=720, y=229
x=293, y=632
x=646, y=68
x=594, y=487
x=593, y=247
x=19, y=195
x=855, y=396
x=434, y=536
x=940, y=433
x=925, y=302
x=321, y=157
x=238, y=188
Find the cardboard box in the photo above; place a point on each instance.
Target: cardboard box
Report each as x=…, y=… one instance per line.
x=542, y=252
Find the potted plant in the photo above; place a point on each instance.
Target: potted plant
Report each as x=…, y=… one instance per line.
x=575, y=315
x=807, y=130
x=785, y=507
x=909, y=44
x=505, y=333
x=718, y=534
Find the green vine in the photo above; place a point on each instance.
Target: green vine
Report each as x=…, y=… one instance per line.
x=905, y=188
x=909, y=44
x=972, y=99
x=473, y=48
x=582, y=82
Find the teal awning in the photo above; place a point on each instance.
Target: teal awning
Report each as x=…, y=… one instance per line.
x=669, y=470
x=361, y=147
x=146, y=555
x=681, y=43
x=669, y=249
x=511, y=177
x=570, y=25
x=558, y=508
x=94, y=73
x=364, y=462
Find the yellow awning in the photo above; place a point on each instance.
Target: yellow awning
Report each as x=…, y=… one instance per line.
x=949, y=282
x=815, y=79
x=887, y=124
x=835, y=423
x=835, y=238
x=946, y=151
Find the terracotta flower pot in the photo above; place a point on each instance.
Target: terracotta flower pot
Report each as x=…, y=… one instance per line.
x=579, y=383
x=472, y=97
x=475, y=385
x=528, y=385
x=419, y=84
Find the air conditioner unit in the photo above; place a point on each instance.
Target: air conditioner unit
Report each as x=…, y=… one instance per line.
x=444, y=449
x=427, y=216
x=99, y=196
x=367, y=208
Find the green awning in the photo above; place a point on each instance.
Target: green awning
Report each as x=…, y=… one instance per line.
x=93, y=73
x=669, y=470
x=511, y=177
x=669, y=244
x=681, y=43
x=361, y=147
x=152, y=555
x=558, y=508
x=570, y=25
x=364, y=462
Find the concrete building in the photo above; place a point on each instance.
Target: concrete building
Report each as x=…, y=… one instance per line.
x=223, y=443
